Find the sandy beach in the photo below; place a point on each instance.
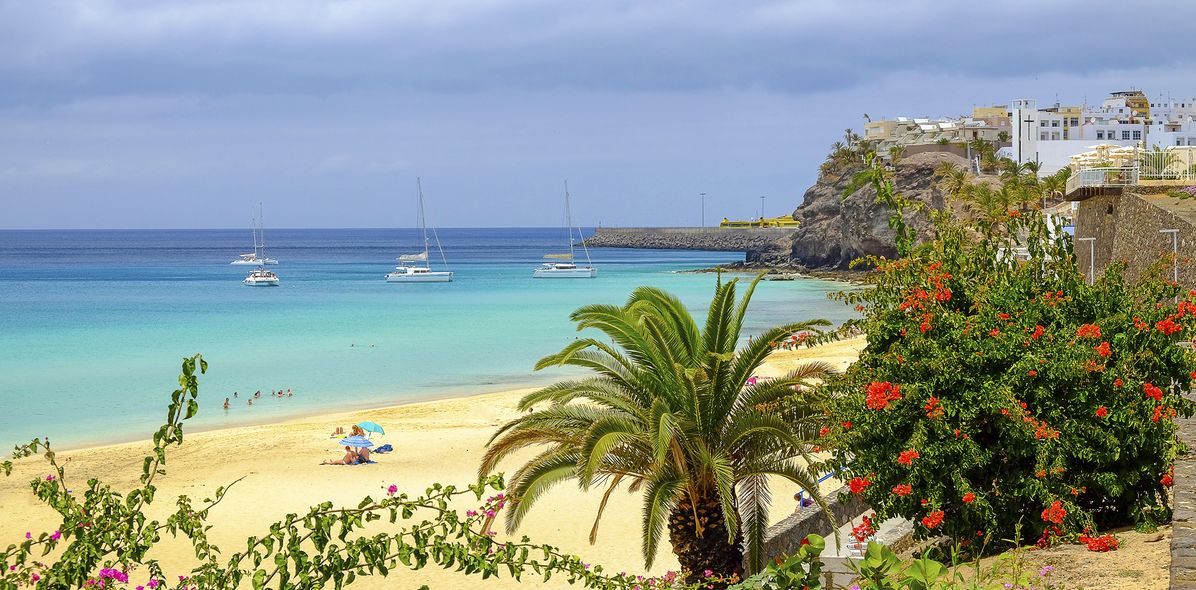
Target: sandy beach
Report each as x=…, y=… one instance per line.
x=436, y=441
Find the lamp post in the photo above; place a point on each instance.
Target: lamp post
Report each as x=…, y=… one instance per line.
x=1091, y=258
x=761, y=210
x=703, y=197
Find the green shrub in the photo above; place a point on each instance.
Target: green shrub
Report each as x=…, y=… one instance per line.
x=995, y=390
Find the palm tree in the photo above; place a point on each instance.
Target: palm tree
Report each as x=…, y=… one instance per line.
x=952, y=178
x=668, y=413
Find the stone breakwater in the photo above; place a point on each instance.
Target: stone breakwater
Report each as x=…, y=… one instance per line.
x=759, y=244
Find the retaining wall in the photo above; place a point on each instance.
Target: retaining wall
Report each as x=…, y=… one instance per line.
x=753, y=241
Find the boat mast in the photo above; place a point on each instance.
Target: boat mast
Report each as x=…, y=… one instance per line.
x=569, y=221
x=262, y=224
x=423, y=222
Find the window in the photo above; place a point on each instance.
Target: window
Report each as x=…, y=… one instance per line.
x=1100, y=134
x=1137, y=135
x=1043, y=123
x=1042, y=136
x=1125, y=135
x=1179, y=141
x=1055, y=136
x=1055, y=123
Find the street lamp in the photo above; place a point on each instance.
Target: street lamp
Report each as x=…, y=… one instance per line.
x=761, y=209
x=1091, y=258
x=703, y=196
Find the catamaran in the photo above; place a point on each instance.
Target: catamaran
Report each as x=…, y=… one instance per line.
x=252, y=258
x=413, y=268
x=566, y=268
x=260, y=277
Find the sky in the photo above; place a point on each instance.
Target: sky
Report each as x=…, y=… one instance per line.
x=185, y=114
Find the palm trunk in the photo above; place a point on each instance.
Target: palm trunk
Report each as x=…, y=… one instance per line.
x=708, y=549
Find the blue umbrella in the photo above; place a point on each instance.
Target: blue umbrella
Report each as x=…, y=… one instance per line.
x=371, y=427
x=357, y=441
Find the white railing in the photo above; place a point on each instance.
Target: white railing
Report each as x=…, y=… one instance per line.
x=1108, y=176
x=1167, y=165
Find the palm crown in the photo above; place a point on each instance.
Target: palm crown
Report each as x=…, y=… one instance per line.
x=668, y=413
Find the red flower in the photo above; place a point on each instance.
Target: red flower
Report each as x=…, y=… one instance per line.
x=1032, y=373
x=1088, y=331
x=925, y=326
x=1054, y=513
x=1192, y=375
x=1093, y=367
x=1141, y=325
x=1041, y=473
x=933, y=408
x=1038, y=331
x=846, y=424
x=1152, y=391
x=857, y=485
x=969, y=497
x=933, y=519
x=1102, y=411
x=805, y=541
x=1103, y=349
x=902, y=489
x=1013, y=213
x=1118, y=382
x=1169, y=477
x=879, y=394
x=823, y=431
x=994, y=332
x=1168, y=326
x=1003, y=316
x=907, y=457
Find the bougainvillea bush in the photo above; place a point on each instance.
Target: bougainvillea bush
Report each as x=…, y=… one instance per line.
x=995, y=390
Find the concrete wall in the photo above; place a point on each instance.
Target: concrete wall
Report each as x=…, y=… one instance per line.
x=1126, y=228
x=754, y=241
x=784, y=538
x=1183, y=518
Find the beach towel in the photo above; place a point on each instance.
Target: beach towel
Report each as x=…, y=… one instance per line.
x=386, y=448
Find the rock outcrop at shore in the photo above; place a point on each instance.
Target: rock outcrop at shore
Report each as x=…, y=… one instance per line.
x=838, y=228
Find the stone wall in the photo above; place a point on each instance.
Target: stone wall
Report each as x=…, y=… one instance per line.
x=1127, y=228
x=1183, y=523
x=784, y=538
x=760, y=244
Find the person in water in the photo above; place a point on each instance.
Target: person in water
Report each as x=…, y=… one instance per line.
x=226, y=403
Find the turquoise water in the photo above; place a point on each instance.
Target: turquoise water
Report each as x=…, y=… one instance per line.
x=93, y=324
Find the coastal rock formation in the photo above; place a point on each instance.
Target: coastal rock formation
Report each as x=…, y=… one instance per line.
x=837, y=229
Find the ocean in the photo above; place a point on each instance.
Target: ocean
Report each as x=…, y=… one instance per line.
x=94, y=323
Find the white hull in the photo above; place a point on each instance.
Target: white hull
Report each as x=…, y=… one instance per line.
x=254, y=262
x=565, y=273
x=423, y=277
x=261, y=282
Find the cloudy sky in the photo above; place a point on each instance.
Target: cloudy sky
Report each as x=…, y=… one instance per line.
x=140, y=113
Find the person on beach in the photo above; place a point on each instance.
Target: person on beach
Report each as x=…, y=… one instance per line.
x=350, y=458
x=356, y=431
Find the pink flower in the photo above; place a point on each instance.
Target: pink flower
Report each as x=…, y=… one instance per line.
x=392, y=489
x=56, y=536
x=708, y=573
x=34, y=577
x=50, y=477
x=28, y=535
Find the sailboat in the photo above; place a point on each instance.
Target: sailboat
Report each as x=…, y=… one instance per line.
x=566, y=268
x=252, y=258
x=260, y=277
x=413, y=268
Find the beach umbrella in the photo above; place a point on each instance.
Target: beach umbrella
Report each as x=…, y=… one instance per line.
x=371, y=427
x=357, y=442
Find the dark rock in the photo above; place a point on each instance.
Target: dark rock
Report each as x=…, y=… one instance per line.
x=838, y=228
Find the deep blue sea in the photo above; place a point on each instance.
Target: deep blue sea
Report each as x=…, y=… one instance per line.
x=93, y=324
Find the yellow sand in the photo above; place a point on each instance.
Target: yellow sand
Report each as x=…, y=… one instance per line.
x=437, y=441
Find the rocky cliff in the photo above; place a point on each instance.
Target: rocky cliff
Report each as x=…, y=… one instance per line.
x=838, y=228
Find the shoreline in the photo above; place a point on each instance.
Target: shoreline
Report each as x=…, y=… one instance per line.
x=277, y=466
